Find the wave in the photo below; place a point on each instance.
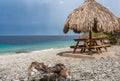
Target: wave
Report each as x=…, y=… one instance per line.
x=50, y=49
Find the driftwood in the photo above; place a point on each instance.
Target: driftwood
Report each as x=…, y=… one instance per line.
x=41, y=72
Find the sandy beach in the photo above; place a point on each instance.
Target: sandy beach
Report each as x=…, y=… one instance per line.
x=15, y=66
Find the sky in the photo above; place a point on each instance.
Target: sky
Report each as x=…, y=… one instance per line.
x=41, y=17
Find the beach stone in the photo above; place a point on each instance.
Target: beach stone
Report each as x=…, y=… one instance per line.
x=15, y=80
x=104, y=69
x=22, y=52
x=78, y=80
x=87, y=76
x=1, y=76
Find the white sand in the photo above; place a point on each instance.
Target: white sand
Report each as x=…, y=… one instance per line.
x=15, y=66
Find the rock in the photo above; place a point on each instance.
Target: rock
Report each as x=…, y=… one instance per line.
x=106, y=41
x=15, y=80
x=22, y=52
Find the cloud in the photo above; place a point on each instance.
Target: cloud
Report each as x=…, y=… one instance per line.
x=34, y=16
x=61, y=2
x=36, y=1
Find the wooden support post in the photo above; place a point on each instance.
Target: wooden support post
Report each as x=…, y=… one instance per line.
x=90, y=37
x=76, y=47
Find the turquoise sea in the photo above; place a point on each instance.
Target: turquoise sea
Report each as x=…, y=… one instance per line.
x=18, y=44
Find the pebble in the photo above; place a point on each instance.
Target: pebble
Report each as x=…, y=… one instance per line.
x=104, y=69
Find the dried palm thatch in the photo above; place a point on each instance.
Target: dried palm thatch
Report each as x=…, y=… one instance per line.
x=91, y=16
x=119, y=20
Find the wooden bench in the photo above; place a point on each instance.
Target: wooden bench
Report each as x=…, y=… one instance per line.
x=82, y=47
x=100, y=46
x=97, y=47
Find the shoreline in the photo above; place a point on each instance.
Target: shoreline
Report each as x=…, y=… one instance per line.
x=27, y=52
x=16, y=65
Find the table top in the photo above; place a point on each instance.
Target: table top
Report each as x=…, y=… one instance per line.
x=84, y=39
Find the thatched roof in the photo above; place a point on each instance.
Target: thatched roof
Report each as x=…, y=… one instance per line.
x=91, y=16
x=119, y=20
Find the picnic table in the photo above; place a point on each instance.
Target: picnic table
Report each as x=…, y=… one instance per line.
x=90, y=44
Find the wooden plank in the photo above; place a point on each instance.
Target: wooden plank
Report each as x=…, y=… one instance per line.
x=80, y=39
x=77, y=46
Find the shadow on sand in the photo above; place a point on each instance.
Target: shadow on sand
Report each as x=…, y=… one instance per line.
x=85, y=55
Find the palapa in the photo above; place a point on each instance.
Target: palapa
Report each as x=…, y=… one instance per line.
x=91, y=16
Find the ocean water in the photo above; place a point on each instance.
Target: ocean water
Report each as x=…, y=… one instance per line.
x=18, y=44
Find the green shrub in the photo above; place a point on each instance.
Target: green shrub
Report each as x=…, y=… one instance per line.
x=111, y=37
x=98, y=34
